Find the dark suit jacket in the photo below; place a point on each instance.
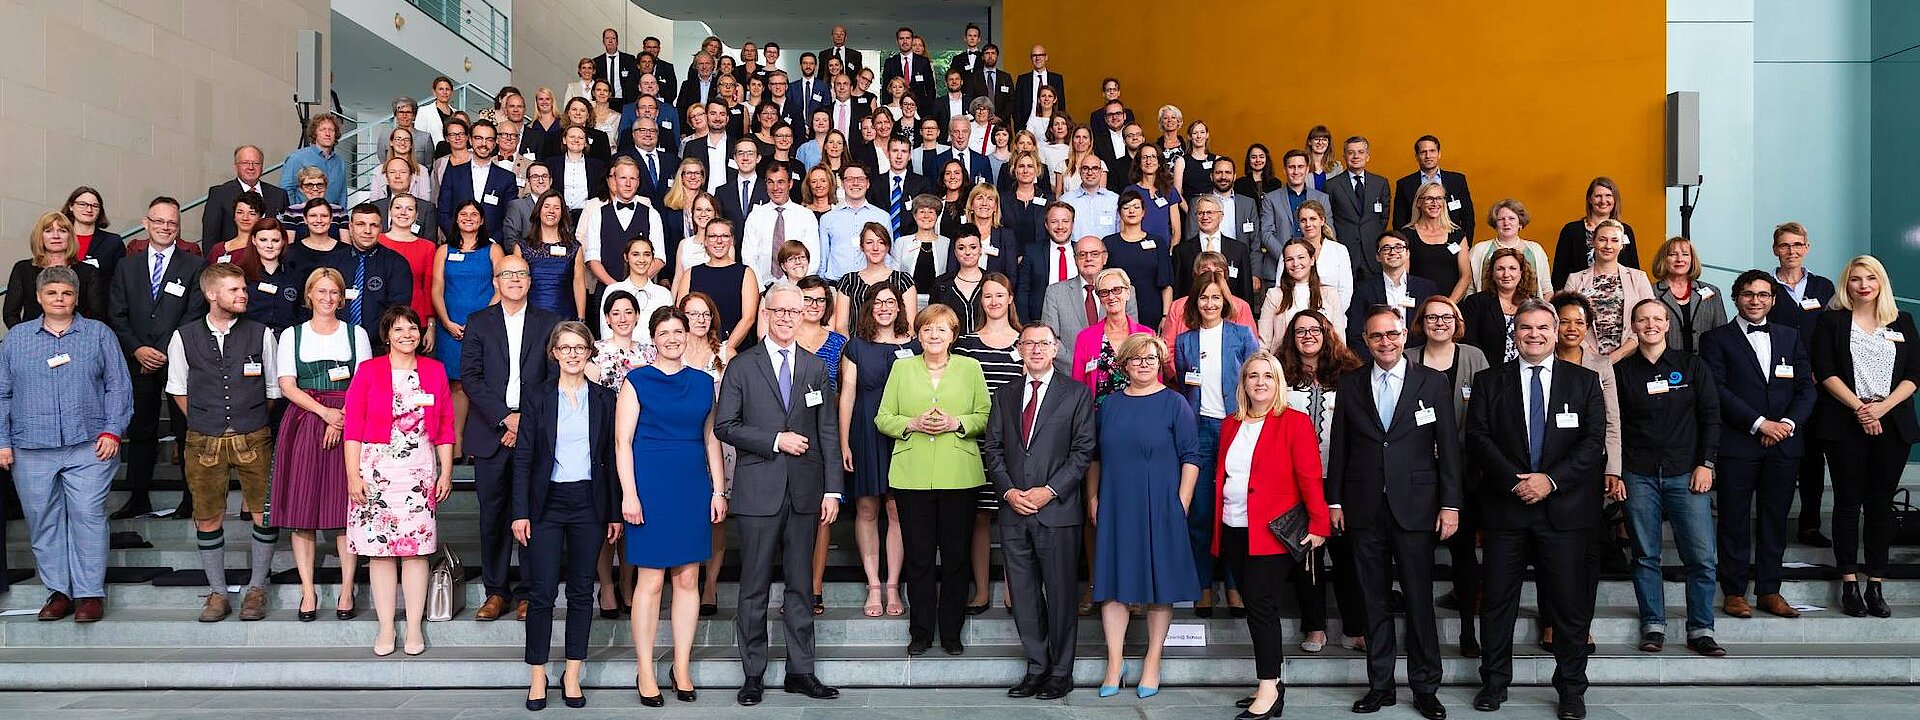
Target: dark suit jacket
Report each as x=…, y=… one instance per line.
x=1832, y=358
x=939, y=110
x=1056, y=457
x=1749, y=392
x=1791, y=314
x=733, y=209
x=750, y=416
x=652, y=186
x=629, y=80
x=533, y=469
x=1358, y=220
x=801, y=98
x=151, y=322
x=457, y=187
x=484, y=367
x=848, y=56
x=596, y=176
x=426, y=215
x=1456, y=184
x=979, y=168
x=599, y=147
x=1411, y=468
x=1573, y=457
x=997, y=86
x=920, y=83
x=1030, y=279
x=105, y=251
x=882, y=187
x=690, y=92
x=1023, y=93
x=1371, y=290
x=216, y=217
x=1239, y=258
x=663, y=74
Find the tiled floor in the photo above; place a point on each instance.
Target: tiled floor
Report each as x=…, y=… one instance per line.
x=1609, y=703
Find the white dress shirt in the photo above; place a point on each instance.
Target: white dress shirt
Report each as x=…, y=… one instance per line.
x=177, y=357
x=716, y=162
x=516, y=330
x=1059, y=265
x=588, y=233
x=1762, y=344
x=1213, y=401
x=758, y=245
x=573, y=188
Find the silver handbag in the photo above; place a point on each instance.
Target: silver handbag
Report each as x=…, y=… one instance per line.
x=446, y=586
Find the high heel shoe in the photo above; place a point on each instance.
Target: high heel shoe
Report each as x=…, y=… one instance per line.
x=1279, y=706
x=688, y=695
x=574, y=701
x=1145, y=692
x=1112, y=690
x=655, y=700
x=1850, y=601
x=1877, y=603
x=536, y=704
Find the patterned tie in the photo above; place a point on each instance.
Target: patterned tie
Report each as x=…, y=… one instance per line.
x=359, y=285
x=779, y=236
x=1536, y=417
x=159, y=268
x=897, y=200
x=1026, y=415
x=786, y=379
x=1385, y=400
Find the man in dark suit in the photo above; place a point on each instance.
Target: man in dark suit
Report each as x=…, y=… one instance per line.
x=1359, y=210
x=1109, y=136
x=979, y=170
x=1799, y=295
x=968, y=60
x=1393, y=287
x=895, y=187
x=1765, y=380
x=168, y=276
x=657, y=165
x=216, y=217
x=715, y=149
x=1426, y=152
x=496, y=184
x=773, y=409
x=502, y=359
x=994, y=83
x=1403, y=421
x=699, y=87
x=905, y=64
x=617, y=68
x=807, y=91
x=662, y=70
x=1026, y=87
x=1044, y=261
x=1535, y=430
x=1209, y=236
x=794, y=114
x=743, y=189
x=1109, y=92
x=849, y=57
x=1036, y=452
x=1277, y=210
x=953, y=101
x=845, y=110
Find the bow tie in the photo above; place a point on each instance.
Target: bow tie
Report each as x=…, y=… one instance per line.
x=618, y=206
x=1758, y=328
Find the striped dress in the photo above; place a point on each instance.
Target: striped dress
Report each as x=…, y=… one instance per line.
x=1000, y=365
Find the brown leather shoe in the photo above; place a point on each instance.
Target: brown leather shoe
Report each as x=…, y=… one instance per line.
x=88, y=610
x=520, y=610
x=1736, y=606
x=217, y=608
x=254, y=605
x=490, y=610
x=1773, y=604
x=58, y=607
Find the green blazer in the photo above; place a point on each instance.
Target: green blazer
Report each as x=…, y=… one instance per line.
x=950, y=461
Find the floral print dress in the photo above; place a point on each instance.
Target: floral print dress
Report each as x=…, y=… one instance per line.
x=397, y=518
x=1609, y=312
x=611, y=363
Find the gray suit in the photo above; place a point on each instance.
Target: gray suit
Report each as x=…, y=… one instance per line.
x=1065, y=311
x=519, y=217
x=1277, y=225
x=1040, y=550
x=776, y=503
x=1358, y=220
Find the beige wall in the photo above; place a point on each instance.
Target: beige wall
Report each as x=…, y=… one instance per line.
x=550, y=37
x=139, y=98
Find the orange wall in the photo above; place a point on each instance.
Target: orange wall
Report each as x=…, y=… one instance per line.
x=1530, y=99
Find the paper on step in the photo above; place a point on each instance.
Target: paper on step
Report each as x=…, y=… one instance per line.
x=1796, y=565
x=22, y=611
x=1809, y=608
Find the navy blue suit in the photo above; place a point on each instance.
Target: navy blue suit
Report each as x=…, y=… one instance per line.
x=1789, y=312
x=1371, y=291
x=1747, y=470
x=457, y=187
x=485, y=365
x=1030, y=279
x=572, y=514
x=979, y=170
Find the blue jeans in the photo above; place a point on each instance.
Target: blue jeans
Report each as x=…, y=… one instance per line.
x=1651, y=499
x=1200, y=511
x=63, y=493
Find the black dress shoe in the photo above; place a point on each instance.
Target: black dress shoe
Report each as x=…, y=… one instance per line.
x=646, y=700
x=1236, y=612
x=977, y=609
x=1204, y=612
x=1813, y=538
x=1429, y=706
x=953, y=647
x=1706, y=646
x=131, y=510
x=918, y=646
x=709, y=609
x=1397, y=602
x=536, y=705
x=347, y=614
x=1026, y=687
x=309, y=615
x=1244, y=703
x=751, y=690
x=1489, y=699
x=610, y=613
x=1373, y=701
x=1272, y=712
x=1572, y=708
x=1850, y=601
x=809, y=686
x=1876, y=602
x=1447, y=601
x=1054, y=688
x=686, y=696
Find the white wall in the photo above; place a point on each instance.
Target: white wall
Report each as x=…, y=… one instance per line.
x=1710, y=49
x=550, y=37
x=425, y=39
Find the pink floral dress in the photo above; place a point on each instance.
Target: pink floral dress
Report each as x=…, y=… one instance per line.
x=397, y=518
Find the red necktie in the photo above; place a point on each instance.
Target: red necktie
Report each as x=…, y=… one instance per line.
x=1092, y=315
x=1063, y=263
x=1026, y=415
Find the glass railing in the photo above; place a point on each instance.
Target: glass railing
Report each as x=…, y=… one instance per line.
x=1724, y=276
x=476, y=21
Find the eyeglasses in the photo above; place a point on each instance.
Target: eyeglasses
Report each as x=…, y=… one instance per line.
x=1389, y=249
x=1310, y=331
x=313, y=183
x=571, y=349
x=157, y=222
x=1790, y=246
x=82, y=204
x=1208, y=213
x=1749, y=295
x=813, y=300
x=1388, y=335
x=1432, y=199
x=1111, y=292
x=1035, y=344
x=1143, y=360
x=886, y=302
x=513, y=275
x=1091, y=168
x=784, y=312
x=1084, y=254
x=1440, y=318
x=701, y=314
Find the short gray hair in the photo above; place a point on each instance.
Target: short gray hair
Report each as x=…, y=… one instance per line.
x=57, y=275
x=780, y=286
x=405, y=101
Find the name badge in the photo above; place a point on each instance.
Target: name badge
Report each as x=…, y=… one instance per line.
x=1233, y=272
x=1106, y=218
x=1657, y=387
x=1160, y=202
x=1246, y=227
x=1453, y=248
x=1038, y=201
x=1706, y=293
x=1894, y=335
x=1809, y=304
x=1148, y=245
x=456, y=257
x=1565, y=419
x=1092, y=365
x=917, y=77
x=1193, y=378
x=227, y=258
x=1466, y=392
x=1376, y=207
x=338, y=373
x=1425, y=415
x=903, y=353
x=735, y=111
x=92, y=261
x=814, y=399
x=816, y=97
x=58, y=360
x=421, y=399
x=269, y=288
x=1783, y=371
x=252, y=369
x=490, y=199
x=176, y=289
x=1405, y=302
x=1453, y=204
x=353, y=293
x=668, y=124
x=414, y=228
x=557, y=251
x=990, y=251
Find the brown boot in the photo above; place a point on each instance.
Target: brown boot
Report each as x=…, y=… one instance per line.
x=254, y=605
x=1773, y=604
x=1736, y=606
x=217, y=608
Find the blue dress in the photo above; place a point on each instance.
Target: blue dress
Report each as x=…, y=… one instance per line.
x=552, y=281
x=1158, y=221
x=469, y=287
x=670, y=468
x=829, y=353
x=1141, y=552
x=872, y=451
x=1150, y=268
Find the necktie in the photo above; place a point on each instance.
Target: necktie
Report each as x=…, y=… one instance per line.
x=359, y=282
x=159, y=268
x=840, y=116
x=779, y=236
x=1385, y=399
x=1026, y=415
x=1062, y=275
x=1536, y=417
x=746, y=196
x=786, y=379
x=653, y=171
x=897, y=204
x=1357, y=184
x=1092, y=315
x=627, y=206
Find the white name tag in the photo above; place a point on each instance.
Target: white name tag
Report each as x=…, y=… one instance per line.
x=269, y=288
x=990, y=251
x=456, y=257
x=1809, y=304
x=1160, y=202
x=1092, y=365
x=413, y=228
x=1193, y=378
x=1038, y=201
x=1376, y=207
x=1425, y=415
x=92, y=261
x=1233, y=272
x=668, y=124
x=252, y=369
x=816, y=97
x=1106, y=218
x=557, y=251
x=1657, y=387
x=353, y=293
x=490, y=199
x=1706, y=293
x=1895, y=336
x=903, y=353
x=227, y=258
x=1783, y=371
x=1452, y=205
x=814, y=399
x=58, y=360
x=1565, y=420
x=421, y=399
x=1246, y=227
x=176, y=289
x=1466, y=392
x=917, y=77
x=1148, y=245
x=338, y=373
x=1453, y=248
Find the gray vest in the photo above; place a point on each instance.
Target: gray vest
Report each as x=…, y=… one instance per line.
x=221, y=398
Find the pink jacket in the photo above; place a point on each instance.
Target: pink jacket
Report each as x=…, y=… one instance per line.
x=369, y=410
x=1086, y=349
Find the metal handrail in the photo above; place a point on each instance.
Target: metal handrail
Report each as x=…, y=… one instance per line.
x=492, y=27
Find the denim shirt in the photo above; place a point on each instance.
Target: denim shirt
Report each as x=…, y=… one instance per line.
x=61, y=390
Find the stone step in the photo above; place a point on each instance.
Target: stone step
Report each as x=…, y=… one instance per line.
x=716, y=671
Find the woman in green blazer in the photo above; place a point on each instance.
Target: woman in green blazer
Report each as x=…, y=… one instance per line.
x=936, y=406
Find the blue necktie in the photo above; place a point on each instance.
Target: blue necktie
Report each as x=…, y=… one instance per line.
x=359, y=285
x=159, y=268
x=786, y=380
x=1386, y=400
x=1536, y=417
x=897, y=200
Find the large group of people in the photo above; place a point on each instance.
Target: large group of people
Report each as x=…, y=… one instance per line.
x=647, y=310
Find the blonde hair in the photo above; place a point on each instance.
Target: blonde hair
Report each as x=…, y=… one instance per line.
x=984, y=190
x=937, y=313
x=1661, y=269
x=1884, y=310
x=314, y=278
x=1446, y=219
x=1135, y=344
x=39, y=247
x=1244, y=400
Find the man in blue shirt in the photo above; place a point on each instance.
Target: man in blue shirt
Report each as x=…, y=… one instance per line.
x=60, y=435
x=1095, y=208
x=322, y=132
x=840, y=227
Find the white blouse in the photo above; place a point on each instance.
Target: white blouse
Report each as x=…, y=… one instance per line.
x=1873, y=354
x=1239, y=468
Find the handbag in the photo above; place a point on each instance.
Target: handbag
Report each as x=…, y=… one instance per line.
x=446, y=587
x=1290, y=528
x=1906, y=519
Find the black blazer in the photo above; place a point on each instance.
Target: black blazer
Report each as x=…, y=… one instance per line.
x=1058, y=455
x=1785, y=310
x=1573, y=457
x=104, y=253
x=910, y=185
x=1749, y=392
x=599, y=147
x=1833, y=359
x=1030, y=278
x=216, y=217
x=689, y=92
x=1356, y=224
x=1456, y=184
x=664, y=75
x=920, y=84
x=1239, y=259
x=596, y=175
x=23, y=302
x=629, y=81
x=1486, y=325
x=655, y=188
x=533, y=469
x=484, y=369
x=151, y=322
x=1371, y=290
x=1023, y=93
x=1410, y=467
x=848, y=57
x=1570, y=253
x=736, y=211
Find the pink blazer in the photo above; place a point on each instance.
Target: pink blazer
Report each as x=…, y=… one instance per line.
x=369, y=410
x=1086, y=349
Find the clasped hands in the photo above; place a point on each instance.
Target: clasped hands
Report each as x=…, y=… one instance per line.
x=933, y=422
x=1030, y=500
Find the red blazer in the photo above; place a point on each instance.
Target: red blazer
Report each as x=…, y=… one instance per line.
x=1286, y=472
x=369, y=411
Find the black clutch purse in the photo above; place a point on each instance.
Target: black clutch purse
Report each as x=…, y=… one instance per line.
x=1290, y=528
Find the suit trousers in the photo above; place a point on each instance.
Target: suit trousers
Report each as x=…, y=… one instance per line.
x=1463, y=552
x=143, y=432
x=1768, y=481
x=1309, y=590
x=567, y=532
x=788, y=535
x=1866, y=472
x=1377, y=551
x=1813, y=476
x=493, y=488
x=1260, y=578
x=937, y=522
x=63, y=492
x=1200, y=518
x=1562, y=574
x=1041, y=579
x=1347, y=597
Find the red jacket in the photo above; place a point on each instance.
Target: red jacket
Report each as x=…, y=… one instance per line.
x=1286, y=472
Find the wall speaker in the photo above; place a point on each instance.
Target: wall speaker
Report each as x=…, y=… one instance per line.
x=1683, y=138
x=309, y=73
